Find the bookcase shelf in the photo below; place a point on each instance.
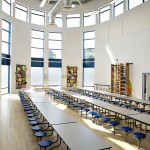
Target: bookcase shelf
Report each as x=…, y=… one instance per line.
x=120, y=79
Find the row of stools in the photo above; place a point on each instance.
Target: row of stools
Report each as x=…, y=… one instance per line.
x=95, y=116
x=116, y=102
x=35, y=118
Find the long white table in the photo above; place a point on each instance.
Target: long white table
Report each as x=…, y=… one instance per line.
x=79, y=137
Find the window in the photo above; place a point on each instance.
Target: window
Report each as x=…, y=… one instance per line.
x=37, y=76
x=118, y=7
x=134, y=3
x=58, y=20
x=5, y=67
x=6, y=6
x=55, y=48
x=21, y=12
x=89, y=44
x=88, y=58
x=37, y=17
x=89, y=18
x=73, y=20
x=37, y=44
x=55, y=45
x=104, y=14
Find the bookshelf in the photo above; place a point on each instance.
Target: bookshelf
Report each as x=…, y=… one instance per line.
x=120, y=79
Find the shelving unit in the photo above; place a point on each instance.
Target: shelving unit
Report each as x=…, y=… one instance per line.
x=120, y=79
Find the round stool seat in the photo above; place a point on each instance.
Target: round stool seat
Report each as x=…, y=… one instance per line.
x=45, y=143
x=32, y=119
x=30, y=115
x=97, y=116
x=92, y=113
x=148, y=112
x=86, y=109
x=40, y=134
x=29, y=112
x=34, y=122
x=114, y=123
x=27, y=109
x=106, y=119
x=126, y=129
x=37, y=128
x=139, y=135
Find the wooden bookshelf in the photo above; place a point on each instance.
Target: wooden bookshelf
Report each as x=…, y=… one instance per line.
x=120, y=79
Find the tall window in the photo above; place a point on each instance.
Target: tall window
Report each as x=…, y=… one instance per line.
x=89, y=18
x=58, y=20
x=118, y=7
x=55, y=48
x=37, y=61
x=5, y=68
x=134, y=3
x=88, y=58
x=37, y=17
x=21, y=12
x=73, y=20
x=6, y=6
x=104, y=14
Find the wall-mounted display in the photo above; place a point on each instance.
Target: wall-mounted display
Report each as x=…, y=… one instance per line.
x=20, y=76
x=71, y=76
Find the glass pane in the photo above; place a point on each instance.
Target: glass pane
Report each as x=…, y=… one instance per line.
x=73, y=22
x=6, y=7
x=5, y=36
x=37, y=12
x=58, y=21
x=54, y=44
x=22, y=15
x=36, y=53
x=4, y=78
x=5, y=48
x=91, y=20
x=88, y=13
x=89, y=35
x=36, y=75
x=55, y=54
x=5, y=25
x=55, y=36
x=118, y=9
x=89, y=44
x=134, y=3
x=88, y=76
x=54, y=75
x=105, y=9
x=73, y=16
x=39, y=20
x=105, y=16
x=118, y=2
x=21, y=7
x=37, y=43
x=37, y=34
x=89, y=53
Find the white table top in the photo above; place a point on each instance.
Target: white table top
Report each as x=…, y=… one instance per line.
x=54, y=115
x=79, y=137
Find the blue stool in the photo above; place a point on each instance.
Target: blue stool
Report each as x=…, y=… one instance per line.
x=37, y=128
x=34, y=122
x=127, y=130
x=32, y=119
x=114, y=124
x=140, y=137
x=30, y=115
x=97, y=116
x=40, y=134
x=86, y=110
x=106, y=119
x=45, y=143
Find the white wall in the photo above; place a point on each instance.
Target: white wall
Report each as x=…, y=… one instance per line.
x=127, y=36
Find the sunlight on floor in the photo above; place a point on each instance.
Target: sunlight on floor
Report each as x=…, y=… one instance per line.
x=94, y=126
x=61, y=106
x=124, y=145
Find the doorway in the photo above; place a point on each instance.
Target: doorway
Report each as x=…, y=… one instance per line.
x=146, y=86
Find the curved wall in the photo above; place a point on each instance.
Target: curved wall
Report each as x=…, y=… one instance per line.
x=126, y=36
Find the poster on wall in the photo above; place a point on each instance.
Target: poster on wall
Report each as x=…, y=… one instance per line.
x=20, y=76
x=71, y=76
